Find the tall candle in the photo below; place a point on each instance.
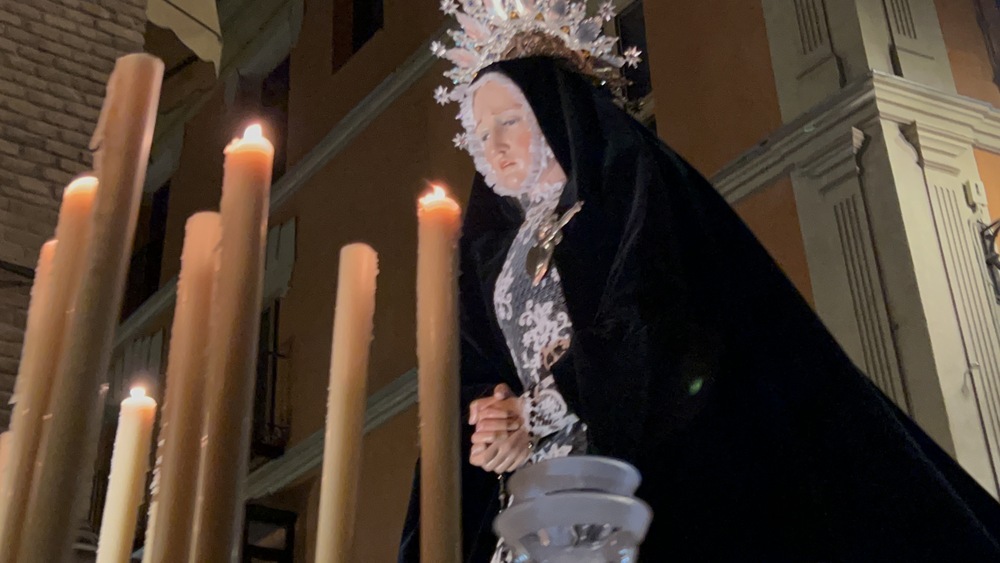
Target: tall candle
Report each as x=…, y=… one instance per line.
x=171, y=510
x=4, y=450
x=11, y=493
x=66, y=458
x=345, y=405
x=127, y=480
x=437, y=360
x=56, y=285
x=232, y=352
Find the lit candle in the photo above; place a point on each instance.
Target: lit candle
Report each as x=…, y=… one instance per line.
x=66, y=457
x=171, y=509
x=345, y=405
x=57, y=280
x=437, y=359
x=232, y=349
x=127, y=480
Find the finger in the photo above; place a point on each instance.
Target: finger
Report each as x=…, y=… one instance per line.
x=510, y=404
x=485, y=457
x=491, y=463
x=496, y=412
x=488, y=437
x=498, y=425
x=476, y=454
x=478, y=405
x=506, y=450
x=502, y=391
x=515, y=456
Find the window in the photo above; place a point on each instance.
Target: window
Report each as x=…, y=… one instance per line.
x=270, y=412
x=355, y=22
x=988, y=12
x=630, y=27
x=269, y=535
x=147, y=250
x=265, y=99
x=368, y=19
x=273, y=109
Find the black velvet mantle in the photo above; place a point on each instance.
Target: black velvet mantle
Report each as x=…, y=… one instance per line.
x=695, y=359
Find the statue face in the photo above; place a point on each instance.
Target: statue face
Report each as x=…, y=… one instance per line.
x=504, y=125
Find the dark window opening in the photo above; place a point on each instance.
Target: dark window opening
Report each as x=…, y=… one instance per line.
x=270, y=412
x=631, y=28
x=355, y=22
x=147, y=254
x=274, y=110
x=988, y=14
x=269, y=535
x=368, y=18
x=265, y=100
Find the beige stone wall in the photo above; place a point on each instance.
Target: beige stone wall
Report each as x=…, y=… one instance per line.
x=55, y=57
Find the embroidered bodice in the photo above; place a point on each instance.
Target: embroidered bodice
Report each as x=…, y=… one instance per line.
x=538, y=331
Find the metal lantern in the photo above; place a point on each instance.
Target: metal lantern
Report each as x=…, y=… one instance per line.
x=578, y=509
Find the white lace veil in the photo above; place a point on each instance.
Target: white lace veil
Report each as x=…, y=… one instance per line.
x=541, y=153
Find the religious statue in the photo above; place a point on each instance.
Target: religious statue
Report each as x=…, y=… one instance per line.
x=611, y=302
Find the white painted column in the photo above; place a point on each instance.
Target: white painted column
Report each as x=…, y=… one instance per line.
x=942, y=204
x=890, y=203
x=818, y=46
x=848, y=287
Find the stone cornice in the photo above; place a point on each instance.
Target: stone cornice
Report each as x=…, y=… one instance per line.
x=945, y=117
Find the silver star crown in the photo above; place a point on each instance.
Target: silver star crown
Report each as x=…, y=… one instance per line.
x=496, y=30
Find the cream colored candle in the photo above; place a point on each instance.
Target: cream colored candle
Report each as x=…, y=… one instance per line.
x=127, y=480
x=232, y=352
x=9, y=482
x=54, y=291
x=437, y=360
x=345, y=405
x=66, y=458
x=171, y=510
x=4, y=449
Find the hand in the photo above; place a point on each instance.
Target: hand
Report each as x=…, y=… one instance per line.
x=501, y=442
x=502, y=456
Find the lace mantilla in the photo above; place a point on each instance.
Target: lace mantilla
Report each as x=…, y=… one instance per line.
x=541, y=154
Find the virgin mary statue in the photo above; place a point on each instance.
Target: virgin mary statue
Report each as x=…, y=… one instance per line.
x=612, y=303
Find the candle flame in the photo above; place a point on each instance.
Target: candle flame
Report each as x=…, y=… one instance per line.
x=254, y=132
x=137, y=392
x=437, y=194
x=82, y=183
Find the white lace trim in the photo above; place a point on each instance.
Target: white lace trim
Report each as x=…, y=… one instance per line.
x=541, y=153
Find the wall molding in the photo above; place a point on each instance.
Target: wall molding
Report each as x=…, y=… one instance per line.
x=307, y=455
x=949, y=117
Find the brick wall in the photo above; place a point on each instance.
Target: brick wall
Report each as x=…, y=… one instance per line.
x=55, y=57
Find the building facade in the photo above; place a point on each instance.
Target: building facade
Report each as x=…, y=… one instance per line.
x=859, y=140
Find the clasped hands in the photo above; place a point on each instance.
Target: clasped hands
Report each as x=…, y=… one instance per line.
x=501, y=442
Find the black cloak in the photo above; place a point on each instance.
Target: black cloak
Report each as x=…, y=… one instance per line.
x=695, y=359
